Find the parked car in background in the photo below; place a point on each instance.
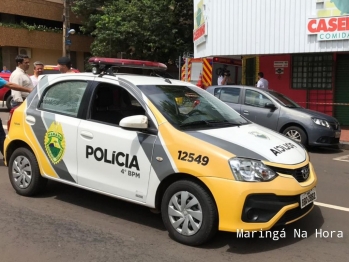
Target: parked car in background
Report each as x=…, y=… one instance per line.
x=274, y=110
x=5, y=93
x=54, y=69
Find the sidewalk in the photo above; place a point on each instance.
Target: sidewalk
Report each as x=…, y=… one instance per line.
x=344, y=140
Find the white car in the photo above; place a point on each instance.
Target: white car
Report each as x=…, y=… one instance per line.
x=161, y=143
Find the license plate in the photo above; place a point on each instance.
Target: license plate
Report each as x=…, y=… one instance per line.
x=338, y=134
x=308, y=197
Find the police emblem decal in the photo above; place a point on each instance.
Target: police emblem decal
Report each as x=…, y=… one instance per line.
x=260, y=135
x=55, y=142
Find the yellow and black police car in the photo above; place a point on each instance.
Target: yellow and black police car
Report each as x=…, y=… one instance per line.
x=160, y=143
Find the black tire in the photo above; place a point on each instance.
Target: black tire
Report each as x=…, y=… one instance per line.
x=209, y=219
x=23, y=164
x=297, y=134
x=8, y=102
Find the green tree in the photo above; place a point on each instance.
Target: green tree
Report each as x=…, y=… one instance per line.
x=139, y=29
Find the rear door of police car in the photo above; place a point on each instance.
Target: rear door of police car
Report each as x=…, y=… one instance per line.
x=54, y=120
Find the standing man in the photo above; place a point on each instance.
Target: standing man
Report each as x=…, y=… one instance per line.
x=13, y=86
x=64, y=64
x=38, y=70
x=5, y=70
x=20, y=77
x=262, y=82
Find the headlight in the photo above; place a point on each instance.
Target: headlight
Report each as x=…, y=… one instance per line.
x=250, y=170
x=321, y=122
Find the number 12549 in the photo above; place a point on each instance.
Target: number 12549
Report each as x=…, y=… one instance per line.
x=190, y=157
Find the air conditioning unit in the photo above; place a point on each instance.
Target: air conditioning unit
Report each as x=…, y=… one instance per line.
x=25, y=51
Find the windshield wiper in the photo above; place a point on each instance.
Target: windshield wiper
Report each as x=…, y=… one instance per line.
x=210, y=123
x=196, y=123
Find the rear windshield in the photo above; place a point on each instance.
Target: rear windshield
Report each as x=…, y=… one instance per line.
x=46, y=72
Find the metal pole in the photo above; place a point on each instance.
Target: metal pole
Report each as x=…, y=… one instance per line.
x=186, y=68
x=179, y=69
x=67, y=26
x=64, y=27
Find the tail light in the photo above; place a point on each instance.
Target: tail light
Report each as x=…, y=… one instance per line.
x=9, y=118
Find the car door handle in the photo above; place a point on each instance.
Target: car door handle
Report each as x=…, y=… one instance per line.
x=86, y=135
x=245, y=112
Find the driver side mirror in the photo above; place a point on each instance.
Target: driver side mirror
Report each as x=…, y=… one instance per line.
x=134, y=122
x=270, y=105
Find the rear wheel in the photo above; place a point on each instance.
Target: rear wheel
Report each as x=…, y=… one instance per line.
x=24, y=173
x=8, y=102
x=297, y=134
x=189, y=213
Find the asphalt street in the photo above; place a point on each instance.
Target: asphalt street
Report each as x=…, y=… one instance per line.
x=70, y=224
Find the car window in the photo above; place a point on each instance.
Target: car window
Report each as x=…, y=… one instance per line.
x=49, y=72
x=64, y=97
x=111, y=103
x=230, y=95
x=217, y=92
x=255, y=98
x=284, y=100
x=187, y=106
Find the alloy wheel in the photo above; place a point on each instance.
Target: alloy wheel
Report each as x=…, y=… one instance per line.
x=22, y=172
x=294, y=135
x=185, y=213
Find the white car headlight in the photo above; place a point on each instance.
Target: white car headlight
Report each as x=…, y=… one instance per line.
x=321, y=122
x=250, y=170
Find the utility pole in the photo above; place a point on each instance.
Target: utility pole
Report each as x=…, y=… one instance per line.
x=66, y=26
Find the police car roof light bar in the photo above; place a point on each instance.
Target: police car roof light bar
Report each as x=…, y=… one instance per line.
x=104, y=63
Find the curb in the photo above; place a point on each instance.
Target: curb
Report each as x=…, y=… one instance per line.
x=344, y=145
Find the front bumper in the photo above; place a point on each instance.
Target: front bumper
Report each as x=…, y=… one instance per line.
x=261, y=208
x=324, y=137
x=276, y=202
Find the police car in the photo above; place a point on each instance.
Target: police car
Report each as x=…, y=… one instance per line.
x=160, y=143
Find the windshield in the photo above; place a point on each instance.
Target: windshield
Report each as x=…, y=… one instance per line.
x=190, y=107
x=283, y=100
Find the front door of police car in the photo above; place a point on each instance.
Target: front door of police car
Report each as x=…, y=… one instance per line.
x=112, y=159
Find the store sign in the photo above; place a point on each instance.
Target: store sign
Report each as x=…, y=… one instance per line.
x=280, y=63
x=230, y=61
x=200, y=25
x=329, y=28
x=279, y=71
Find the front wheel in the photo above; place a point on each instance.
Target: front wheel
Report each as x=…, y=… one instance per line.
x=297, y=134
x=189, y=213
x=24, y=173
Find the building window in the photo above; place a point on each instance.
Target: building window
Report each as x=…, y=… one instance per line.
x=312, y=71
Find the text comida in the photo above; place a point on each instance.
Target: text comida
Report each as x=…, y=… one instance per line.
x=114, y=158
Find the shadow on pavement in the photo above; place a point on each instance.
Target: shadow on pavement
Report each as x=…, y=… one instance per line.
x=103, y=204
x=325, y=150
x=262, y=242
x=142, y=215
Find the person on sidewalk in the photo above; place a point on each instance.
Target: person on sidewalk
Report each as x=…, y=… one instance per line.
x=65, y=65
x=262, y=82
x=5, y=70
x=13, y=86
x=38, y=70
x=20, y=77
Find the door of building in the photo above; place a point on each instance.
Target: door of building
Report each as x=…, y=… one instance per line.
x=342, y=90
x=250, y=71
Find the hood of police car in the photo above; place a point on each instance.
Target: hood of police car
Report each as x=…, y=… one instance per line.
x=254, y=141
